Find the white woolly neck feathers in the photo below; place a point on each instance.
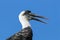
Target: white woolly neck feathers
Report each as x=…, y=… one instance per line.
x=23, y=20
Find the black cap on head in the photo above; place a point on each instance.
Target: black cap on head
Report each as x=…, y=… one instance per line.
x=28, y=11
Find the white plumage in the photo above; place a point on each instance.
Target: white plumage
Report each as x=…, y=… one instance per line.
x=23, y=20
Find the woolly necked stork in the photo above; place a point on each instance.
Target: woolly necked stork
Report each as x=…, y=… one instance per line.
x=26, y=31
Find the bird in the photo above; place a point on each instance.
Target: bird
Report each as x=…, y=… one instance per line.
x=26, y=32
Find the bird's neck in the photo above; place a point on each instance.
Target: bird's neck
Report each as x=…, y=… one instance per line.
x=25, y=23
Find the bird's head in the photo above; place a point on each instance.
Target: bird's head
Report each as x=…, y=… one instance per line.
x=28, y=15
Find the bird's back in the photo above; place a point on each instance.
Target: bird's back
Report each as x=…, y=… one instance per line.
x=24, y=34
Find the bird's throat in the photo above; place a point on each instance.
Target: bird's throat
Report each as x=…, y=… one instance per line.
x=25, y=23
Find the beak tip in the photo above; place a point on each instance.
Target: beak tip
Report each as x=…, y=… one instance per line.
x=46, y=23
x=46, y=18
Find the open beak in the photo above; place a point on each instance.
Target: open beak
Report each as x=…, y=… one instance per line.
x=35, y=17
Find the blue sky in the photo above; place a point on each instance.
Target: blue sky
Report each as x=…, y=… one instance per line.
x=9, y=23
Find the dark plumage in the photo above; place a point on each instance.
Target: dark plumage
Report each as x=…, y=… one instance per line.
x=24, y=34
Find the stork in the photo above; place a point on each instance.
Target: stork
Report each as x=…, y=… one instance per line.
x=26, y=32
